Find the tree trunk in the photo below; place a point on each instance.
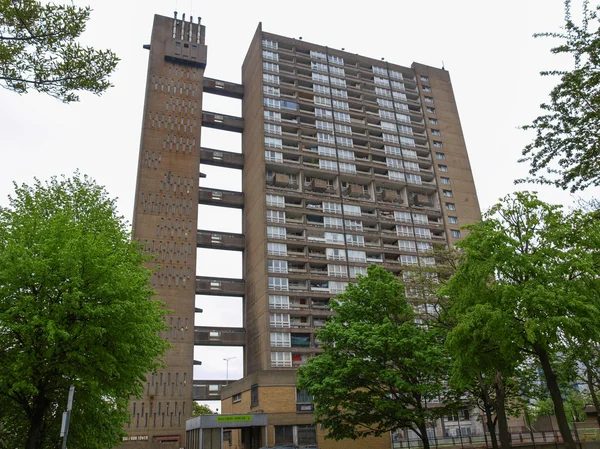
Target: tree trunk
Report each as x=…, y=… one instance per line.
x=424, y=437
x=590, y=383
x=36, y=422
x=501, y=411
x=487, y=406
x=555, y=394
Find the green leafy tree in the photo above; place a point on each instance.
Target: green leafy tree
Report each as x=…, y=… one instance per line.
x=533, y=270
x=39, y=50
x=575, y=402
x=566, y=147
x=379, y=370
x=75, y=308
x=201, y=409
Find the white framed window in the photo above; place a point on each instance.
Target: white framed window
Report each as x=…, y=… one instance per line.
x=273, y=142
x=340, y=93
x=455, y=234
x=339, y=71
x=448, y=193
x=324, y=126
x=413, y=179
x=444, y=180
x=275, y=216
x=346, y=167
x=412, y=166
x=318, y=55
x=390, y=138
x=399, y=96
x=350, y=209
x=354, y=225
x=327, y=165
x=389, y=115
x=358, y=271
x=271, y=56
x=340, y=271
x=405, y=231
x=325, y=138
x=409, y=154
x=281, y=340
x=401, y=106
x=279, y=302
x=270, y=66
x=281, y=359
x=403, y=217
x=325, y=101
x=424, y=78
x=355, y=240
x=394, y=151
x=436, y=132
x=433, y=121
x=452, y=220
x=403, y=118
x=335, y=254
x=343, y=129
x=334, y=237
x=408, y=141
x=405, y=129
x=276, y=232
x=325, y=151
x=275, y=200
x=388, y=126
x=270, y=128
x=383, y=92
x=273, y=116
x=277, y=266
x=379, y=70
x=443, y=168
x=347, y=155
x=278, y=284
x=333, y=223
x=381, y=81
x=332, y=208
x=323, y=113
x=269, y=44
x=339, y=104
x=318, y=66
x=409, y=260
x=396, y=175
x=270, y=78
x=407, y=245
x=342, y=117
x=338, y=82
x=397, y=85
x=422, y=233
x=279, y=319
x=345, y=141
x=396, y=75
x=337, y=286
x=357, y=256
x=273, y=156
x=438, y=144
x=450, y=206
x=277, y=249
x=321, y=90
x=427, y=261
x=272, y=103
x=424, y=247
x=321, y=78
x=420, y=219
x=428, y=100
x=440, y=156
x=336, y=60
x=394, y=163
x=383, y=103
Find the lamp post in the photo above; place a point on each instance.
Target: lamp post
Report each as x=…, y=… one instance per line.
x=227, y=359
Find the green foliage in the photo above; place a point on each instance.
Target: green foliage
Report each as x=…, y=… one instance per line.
x=575, y=402
x=39, y=50
x=75, y=308
x=201, y=409
x=379, y=368
x=527, y=287
x=566, y=147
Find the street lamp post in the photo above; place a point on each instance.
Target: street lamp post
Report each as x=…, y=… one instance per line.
x=227, y=359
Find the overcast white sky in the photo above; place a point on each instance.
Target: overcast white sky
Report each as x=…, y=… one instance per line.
x=486, y=46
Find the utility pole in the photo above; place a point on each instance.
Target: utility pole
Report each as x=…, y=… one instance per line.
x=227, y=370
x=64, y=428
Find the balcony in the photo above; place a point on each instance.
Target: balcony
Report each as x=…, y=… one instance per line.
x=219, y=286
x=225, y=198
x=219, y=336
x=222, y=122
x=218, y=158
x=220, y=240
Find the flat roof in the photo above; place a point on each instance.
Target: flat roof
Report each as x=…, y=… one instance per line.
x=226, y=421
